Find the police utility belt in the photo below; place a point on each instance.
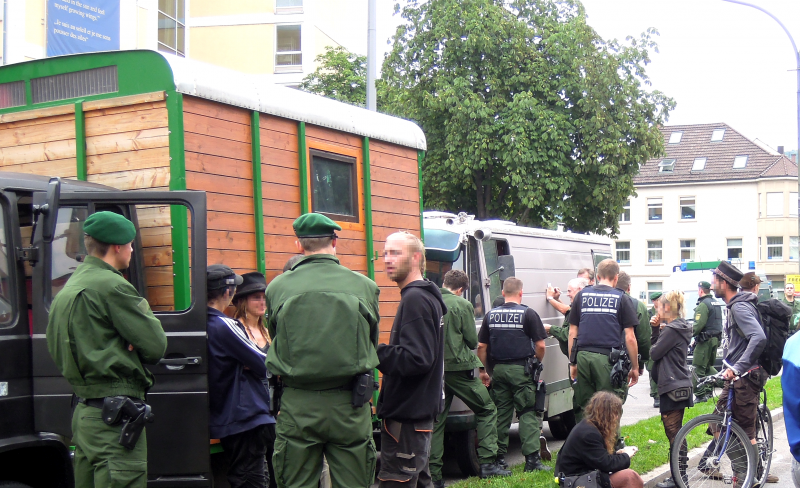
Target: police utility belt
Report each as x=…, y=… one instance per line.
x=362, y=386
x=132, y=413
x=706, y=336
x=620, y=362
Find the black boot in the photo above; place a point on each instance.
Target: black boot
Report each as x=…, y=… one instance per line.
x=493, y=469
x=534, y=463
x=500, y=460
x=667, y=483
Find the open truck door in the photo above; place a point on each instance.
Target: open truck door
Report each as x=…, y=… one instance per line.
x=173, y=279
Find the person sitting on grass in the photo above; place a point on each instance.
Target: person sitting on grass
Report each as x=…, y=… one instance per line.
x=669, y=366
x=590, y=445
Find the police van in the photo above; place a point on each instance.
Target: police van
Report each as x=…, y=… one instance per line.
x=489, y=252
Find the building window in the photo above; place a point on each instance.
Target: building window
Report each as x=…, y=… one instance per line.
x=717, y=135
x=699, y=164
x=288, y=56
x=775, y=248
x=675, y=137
x=653, y=209
x=793, y=254
x=734, y=249
x=623, y=252
x=654, y=251
x=172, y=27
x=653, y=288
x=334, y=191
x=739, y=162
x=666, y=166
x=687, y=208
x=793, y=204
x=775, y=204
x=625, y=216
x=289, y=6
x=687, y=250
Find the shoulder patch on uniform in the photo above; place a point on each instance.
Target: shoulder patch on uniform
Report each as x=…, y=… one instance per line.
x=143, y=306
x=697, y=317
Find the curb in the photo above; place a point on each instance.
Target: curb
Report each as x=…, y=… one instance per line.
x=659, y=474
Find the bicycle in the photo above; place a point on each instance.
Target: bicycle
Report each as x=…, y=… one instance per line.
x=724, y=455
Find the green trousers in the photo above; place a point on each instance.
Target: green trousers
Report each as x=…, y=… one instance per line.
x=313, y=423
x=594, y=374
x=512, y=390
x=100, y=461
x=653, y=384
x=703, y=361
x=472, y=392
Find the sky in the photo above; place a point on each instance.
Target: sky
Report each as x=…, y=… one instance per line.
x=720, y=61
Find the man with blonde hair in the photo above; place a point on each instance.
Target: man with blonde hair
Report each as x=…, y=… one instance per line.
x=412, y=393
x=514, y=336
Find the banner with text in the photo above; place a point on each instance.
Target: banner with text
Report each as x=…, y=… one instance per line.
x=82, y=26
x=793, y=279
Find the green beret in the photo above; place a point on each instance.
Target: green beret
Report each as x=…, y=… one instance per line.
x=655, y=296
x=704, y=285
x=110, y=227
x=315, y=225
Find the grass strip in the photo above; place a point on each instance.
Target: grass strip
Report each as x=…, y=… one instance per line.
x=650, y=456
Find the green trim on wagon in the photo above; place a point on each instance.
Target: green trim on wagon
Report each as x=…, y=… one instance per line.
x=258, y=200
x=80, y=142
x=301, y=150
x=178, y=213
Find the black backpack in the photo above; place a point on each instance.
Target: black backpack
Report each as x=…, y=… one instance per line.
x=775, y=319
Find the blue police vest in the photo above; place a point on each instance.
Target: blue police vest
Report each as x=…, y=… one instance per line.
x=599, y=323
x=507, y=337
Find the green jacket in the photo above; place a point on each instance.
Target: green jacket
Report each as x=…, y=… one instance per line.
x=323, y=320
x=92, y=321
x=700, y=318
x=643, y=329
x=561, y=333
x=795, y=306
x=460, y=333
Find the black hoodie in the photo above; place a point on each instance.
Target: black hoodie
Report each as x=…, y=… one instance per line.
x=413, y=362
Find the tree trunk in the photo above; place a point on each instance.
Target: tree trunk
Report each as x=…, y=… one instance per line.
x=479, y=195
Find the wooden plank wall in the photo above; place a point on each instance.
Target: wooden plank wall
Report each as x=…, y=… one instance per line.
x=42, y=146
x=280, y=189
x=395, y=207
x=127, y=147
x=219, y=161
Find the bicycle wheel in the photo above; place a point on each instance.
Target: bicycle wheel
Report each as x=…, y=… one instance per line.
x=764, y=445
x=699, y=460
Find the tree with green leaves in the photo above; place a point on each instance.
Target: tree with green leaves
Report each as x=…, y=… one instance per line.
x=340, y=75
x=529, y=115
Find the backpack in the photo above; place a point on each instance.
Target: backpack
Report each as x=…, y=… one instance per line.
x=774, y=318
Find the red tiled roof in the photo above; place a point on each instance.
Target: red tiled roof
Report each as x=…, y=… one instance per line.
x=696, y=143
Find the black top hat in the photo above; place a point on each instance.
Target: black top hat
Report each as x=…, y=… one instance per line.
x=251, y=283
x=729, y=273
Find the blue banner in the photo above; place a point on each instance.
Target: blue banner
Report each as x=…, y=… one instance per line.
x=82, y=26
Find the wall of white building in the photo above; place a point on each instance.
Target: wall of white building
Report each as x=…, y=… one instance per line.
x=722, y=211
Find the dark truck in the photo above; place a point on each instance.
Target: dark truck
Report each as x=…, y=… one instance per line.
x=35, y=400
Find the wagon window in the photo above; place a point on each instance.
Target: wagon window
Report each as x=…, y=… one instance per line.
x=6, y=279
x=334, y=189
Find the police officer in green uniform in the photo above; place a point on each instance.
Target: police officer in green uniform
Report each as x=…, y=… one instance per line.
x=602, y=319
x=512, y=334
x=655, y=328
x=790, y=300
x=460, y=338
x=561, y=332
x=643, y=330
x=323, y=320
x=101, y=333
x=707, y=331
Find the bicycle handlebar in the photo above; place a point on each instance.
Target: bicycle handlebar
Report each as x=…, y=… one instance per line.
x=719, y=376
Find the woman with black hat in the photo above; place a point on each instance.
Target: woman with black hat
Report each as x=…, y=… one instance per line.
x=251, y=305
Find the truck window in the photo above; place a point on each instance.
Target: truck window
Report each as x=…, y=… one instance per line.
x=6, y=278
x=68, y=249
x=475, y=281
x=491, y=250
x=435, y=270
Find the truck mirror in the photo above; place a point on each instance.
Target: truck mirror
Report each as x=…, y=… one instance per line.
x=50, y=209
x=506, y=266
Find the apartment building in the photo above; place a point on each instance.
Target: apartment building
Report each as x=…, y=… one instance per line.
x=278, y=39
x=714, y=195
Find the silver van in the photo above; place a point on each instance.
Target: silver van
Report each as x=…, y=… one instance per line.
x=488, y=252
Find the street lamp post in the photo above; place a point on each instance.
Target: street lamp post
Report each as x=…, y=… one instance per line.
x=797, y=59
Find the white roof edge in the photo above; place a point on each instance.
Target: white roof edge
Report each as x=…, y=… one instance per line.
x=250, y=91
x=503, y=228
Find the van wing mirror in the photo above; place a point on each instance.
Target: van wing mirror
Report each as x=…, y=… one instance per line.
x=506, y=267
x=50, y=209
